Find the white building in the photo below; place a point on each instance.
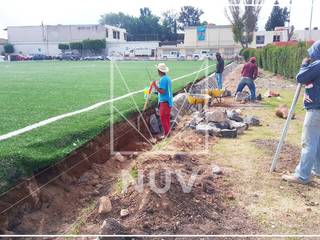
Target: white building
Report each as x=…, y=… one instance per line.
x=280, y=34
x=45, y=39
x=211, y=38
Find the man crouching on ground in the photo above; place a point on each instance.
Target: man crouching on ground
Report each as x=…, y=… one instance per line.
x=165, y=96
x=310, y=155
x=248, y=74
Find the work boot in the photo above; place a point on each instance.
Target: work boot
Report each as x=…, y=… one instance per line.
x=292, y=179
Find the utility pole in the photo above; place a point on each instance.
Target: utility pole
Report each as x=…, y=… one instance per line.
x=289, y=21
x=311, y=16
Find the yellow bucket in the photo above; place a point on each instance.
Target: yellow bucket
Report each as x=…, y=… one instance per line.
x=216, y=92
x=192, y=100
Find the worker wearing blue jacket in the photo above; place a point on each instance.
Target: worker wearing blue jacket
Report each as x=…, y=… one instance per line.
x=309, y=75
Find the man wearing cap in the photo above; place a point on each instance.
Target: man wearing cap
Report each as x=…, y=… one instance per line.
x=165, y=96
x=219, y=70
x=309, y=75
x=248, y=74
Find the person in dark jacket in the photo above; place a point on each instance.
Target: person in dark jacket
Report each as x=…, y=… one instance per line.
x=248, y=75
x=219, y=70
x=309, y=75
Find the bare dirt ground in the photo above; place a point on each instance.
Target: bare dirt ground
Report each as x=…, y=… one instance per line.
x=244, y=199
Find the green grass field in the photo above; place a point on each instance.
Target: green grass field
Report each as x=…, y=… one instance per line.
x=34, y=91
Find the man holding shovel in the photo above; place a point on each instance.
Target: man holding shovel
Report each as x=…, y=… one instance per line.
x=165, y=96
x=310, y=155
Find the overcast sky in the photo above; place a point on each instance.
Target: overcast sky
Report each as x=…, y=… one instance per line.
x=32, y=12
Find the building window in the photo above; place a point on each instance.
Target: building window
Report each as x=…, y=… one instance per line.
x=107, y=33
x=276, y=38
x=260, y=39
x=116, y=34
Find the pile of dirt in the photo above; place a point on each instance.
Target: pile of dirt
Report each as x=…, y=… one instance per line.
x=195, y=210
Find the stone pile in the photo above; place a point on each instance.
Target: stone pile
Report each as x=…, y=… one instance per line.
x=226, y=124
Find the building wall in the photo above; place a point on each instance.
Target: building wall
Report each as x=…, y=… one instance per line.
x=304, y=35
x=215, y=36
x=45, y=39
x=268, y=37
x=217, y=39
x=298, y=35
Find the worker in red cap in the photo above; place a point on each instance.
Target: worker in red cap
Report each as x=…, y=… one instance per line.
x=248, y=74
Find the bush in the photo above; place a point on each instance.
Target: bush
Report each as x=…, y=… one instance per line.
x=284, y=60
x=63, y=46
x=94, y=46
x=76, y=46
x=8, y=48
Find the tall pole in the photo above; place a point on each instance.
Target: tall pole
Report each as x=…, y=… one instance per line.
x=311, y=16
x=289, y=21
x=285, y=129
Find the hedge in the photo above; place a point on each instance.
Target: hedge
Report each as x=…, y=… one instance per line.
x=284, y=60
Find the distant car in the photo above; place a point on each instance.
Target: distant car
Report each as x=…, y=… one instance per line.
x=204, y=54
x=173, y=55
x=69, y=56
x=93, y=58
x=115, y=57
x=38, y=57
x=18, y=57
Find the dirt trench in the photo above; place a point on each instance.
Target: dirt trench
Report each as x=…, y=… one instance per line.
x=35, y=205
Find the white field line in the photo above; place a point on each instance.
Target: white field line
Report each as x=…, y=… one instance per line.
x=87, y=109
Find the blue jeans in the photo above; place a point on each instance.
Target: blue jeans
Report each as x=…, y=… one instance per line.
x=250, y=83
x=219, y=80
x=310, y=154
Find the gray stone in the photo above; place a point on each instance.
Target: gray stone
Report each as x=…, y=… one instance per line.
x=196, y=120
x=154, y=124
x=205, y=129
x=124, y=212
x=222, y=125
x=105, y=205
x=118, y=157
x=252, y=121
x=241, y=127
x=233, y=115
x=242, y=96
x=180, y=103
x=216, y=116
x=229, y=133
x=111, y=226
x=216, y=170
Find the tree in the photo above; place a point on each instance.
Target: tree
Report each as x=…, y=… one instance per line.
x=144, y=27
x=63, y=47
x=149, y=24
x=243, y=15
x=94, y=46
x=121, y=20
x=170, y=25
x=76, y=46
x=190, y=16
x=279, y=16
x=8, y=48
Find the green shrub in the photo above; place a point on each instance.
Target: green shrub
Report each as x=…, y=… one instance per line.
x=284, y=60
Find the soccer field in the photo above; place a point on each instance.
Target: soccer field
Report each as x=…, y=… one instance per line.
x=35, y=91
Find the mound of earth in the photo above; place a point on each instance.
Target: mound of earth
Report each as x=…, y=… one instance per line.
x=179, y=195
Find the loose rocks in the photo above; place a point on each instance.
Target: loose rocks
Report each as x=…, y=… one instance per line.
x=105, y=205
